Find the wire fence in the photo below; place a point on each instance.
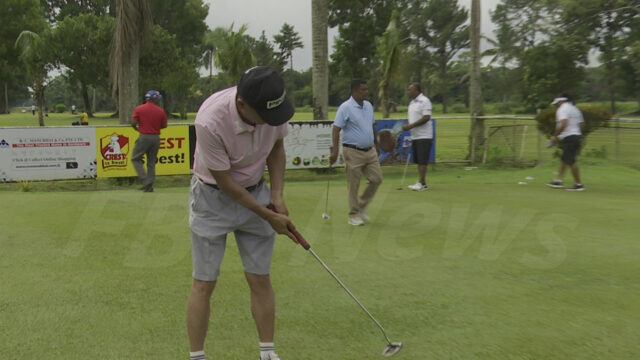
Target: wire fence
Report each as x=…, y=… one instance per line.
x=516, y=140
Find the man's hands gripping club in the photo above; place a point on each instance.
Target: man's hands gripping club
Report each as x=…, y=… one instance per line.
x=278, y=217
x=279, y=221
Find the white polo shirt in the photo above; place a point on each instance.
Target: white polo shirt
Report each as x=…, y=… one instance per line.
x=574, y=118
x=419, y=107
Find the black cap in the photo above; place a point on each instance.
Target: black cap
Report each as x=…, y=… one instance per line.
x=263, y=89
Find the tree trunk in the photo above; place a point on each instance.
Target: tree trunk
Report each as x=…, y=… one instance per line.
x=128, y=83
x=93, y=106
x=444, y=88
x=611, y=85
x=292, y=88
x=385, y=99
x=166, y=103
x=85, y=99
x=419, y=64
x=320, y=51
x=39, y=93
x=476, y=136
x=211, y=65
x=6, y=98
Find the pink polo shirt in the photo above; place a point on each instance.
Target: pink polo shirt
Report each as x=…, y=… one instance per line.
x=224, y=141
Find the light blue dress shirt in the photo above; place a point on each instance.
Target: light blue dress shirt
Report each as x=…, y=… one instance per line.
x=356, y=123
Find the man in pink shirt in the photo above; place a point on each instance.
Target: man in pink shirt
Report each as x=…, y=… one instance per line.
x=239, y=130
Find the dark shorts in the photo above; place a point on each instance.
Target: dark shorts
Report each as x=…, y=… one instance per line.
x=421, y=150
x=570, y=148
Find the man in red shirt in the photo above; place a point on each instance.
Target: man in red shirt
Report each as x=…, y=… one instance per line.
x=148, y=119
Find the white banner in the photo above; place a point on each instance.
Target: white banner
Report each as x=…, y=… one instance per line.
x=47, y=153
x=308, y=145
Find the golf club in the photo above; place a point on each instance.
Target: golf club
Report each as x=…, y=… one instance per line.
x=404, y=173
x=392, y=348
x=325, y=214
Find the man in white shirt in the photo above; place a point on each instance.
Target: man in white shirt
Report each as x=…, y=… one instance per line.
x=569, y=127
x=421, y=132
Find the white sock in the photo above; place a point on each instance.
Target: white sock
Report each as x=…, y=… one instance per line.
x=196, y=355
x=266, y=349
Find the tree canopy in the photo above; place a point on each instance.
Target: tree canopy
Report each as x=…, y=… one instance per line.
x=537, y=49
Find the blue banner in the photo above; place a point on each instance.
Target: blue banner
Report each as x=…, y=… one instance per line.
x=395, y=144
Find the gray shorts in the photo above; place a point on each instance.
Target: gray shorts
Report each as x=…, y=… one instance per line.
x=212, y=215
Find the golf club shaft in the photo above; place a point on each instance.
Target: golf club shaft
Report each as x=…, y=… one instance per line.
x=349, y=292
x=406, y=165
x=307, y=246
x=326, y=202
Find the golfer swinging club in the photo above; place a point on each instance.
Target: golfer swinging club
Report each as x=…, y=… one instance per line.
x=239, y=130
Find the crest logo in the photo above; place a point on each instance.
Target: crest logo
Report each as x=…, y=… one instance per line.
x=4, y=144
x=114, y=149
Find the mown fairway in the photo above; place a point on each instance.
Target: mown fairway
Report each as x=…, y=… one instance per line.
x=478, y=267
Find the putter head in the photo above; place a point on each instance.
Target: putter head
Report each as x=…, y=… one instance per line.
x=326, y=216
x=392, y=349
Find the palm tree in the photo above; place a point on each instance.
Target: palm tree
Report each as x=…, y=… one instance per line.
x=34, y=53
x=320, y=51
x=133, y=26
x=210, y=43
x=389, y=49
x=234, y=54
x=475, y=84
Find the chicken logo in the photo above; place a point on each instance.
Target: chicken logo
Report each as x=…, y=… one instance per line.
x=114, y=149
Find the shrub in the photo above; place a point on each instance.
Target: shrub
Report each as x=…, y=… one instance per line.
x=594, y=118
x=458, y=109
x=60, y=108
x=600, y=153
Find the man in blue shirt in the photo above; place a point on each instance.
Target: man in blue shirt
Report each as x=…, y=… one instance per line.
x=359, y=149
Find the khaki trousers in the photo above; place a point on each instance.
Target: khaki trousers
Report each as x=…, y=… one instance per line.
x=359, y=163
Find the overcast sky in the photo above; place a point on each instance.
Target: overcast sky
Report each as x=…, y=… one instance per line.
x=269, y=15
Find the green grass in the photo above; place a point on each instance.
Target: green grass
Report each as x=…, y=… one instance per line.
x=65, y=119
x=478, y=267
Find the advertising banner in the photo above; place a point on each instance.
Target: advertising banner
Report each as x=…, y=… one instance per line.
x=395, y=143
x=114, y=150
x=47, y=153
x=308, y=145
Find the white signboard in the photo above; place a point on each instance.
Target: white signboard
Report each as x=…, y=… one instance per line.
x=308, y=145
x=47, y=153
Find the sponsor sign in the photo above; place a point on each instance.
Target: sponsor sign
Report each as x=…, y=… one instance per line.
x=116, y=144
x=308, y=145
x=395, y=143
x=46, y=153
